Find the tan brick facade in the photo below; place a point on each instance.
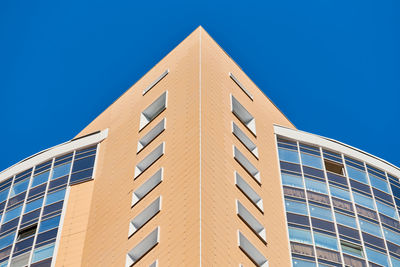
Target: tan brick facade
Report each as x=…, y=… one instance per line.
x=198, y=221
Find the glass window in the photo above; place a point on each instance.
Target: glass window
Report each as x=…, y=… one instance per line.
x=352, y=249
x=379, y=183
x=370, y=228
x=387, y=210
x=43, y=253
x=316, y=186
x=7, y=240
x=377, y=257
x=345, y=220
x=325, y=241
x=4, y=264
x=288, y=155
x=363, y=201
x=49, y=224
x=40, y=179
x=357, y=174
x=312, y=161
x=340, y=193
x=299, y=235
x=61, y=170
x=33, y=205
x=303, y=263
x=54, y=197
x=320, y=212
x=19, y=187
x=392, y=236
x=296, y=207
x=12, y=214
x=4, y=194
x=395, y=262
x=292, y=180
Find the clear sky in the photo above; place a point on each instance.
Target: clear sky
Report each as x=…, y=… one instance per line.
x=332, y=66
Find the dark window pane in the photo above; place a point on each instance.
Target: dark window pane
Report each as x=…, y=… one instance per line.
x=53, y=207
x=297, y=219
x=23, y=244
x=393, y=248
x=313, y=172
x=58, y=182
x=389, y=221
x=81, y=176
x=10, y=225
x=5, y=184
x=16, y=200
x=382, y=195
x=31, y=216
x=373, y=240
x=43, y=263
x=82, y=164
x=46, y=236
x=37, y=191
x=343, y=230
x=321, y=224
x=360, y=186
x=290, y=166
x=336, y=178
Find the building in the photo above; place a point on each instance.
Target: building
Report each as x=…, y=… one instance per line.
x=195, y=166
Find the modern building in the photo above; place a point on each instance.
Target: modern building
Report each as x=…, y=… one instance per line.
x=195, y=166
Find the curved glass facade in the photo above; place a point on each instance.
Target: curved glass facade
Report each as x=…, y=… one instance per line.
x=340, y=209
x=31, y=204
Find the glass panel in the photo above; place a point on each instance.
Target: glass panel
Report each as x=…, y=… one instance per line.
x=302, y=263
x=292, y=180
x=363, y=201
x=19, y=187
x=49, y=224
x=356, y=174
x=13, y=213
x=33, y=205
x=370, y=228
x=321, y=213
x=395, y=262
x=4, y=194
x=379, y=183
x=392, y=236
x=288, y=155
x=340, y=193
x=377, y=257
x=316, y=186
x=7, y=240
x=387, y=210
x=54, y=197
x=345, y=220
x=352, y=249
x=311, y=161
x=40, y=179
x=325, y=241
x=43, y=253
x=61, y=170
x=299, y=235
x=296, y=207
x=82, y=164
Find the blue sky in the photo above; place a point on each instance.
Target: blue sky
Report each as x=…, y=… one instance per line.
x=332, y=66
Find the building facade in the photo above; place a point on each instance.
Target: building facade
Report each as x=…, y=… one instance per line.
x=195, y=166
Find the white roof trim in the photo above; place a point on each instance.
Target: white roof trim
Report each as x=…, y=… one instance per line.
x=53, y=152
x=339, y=147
